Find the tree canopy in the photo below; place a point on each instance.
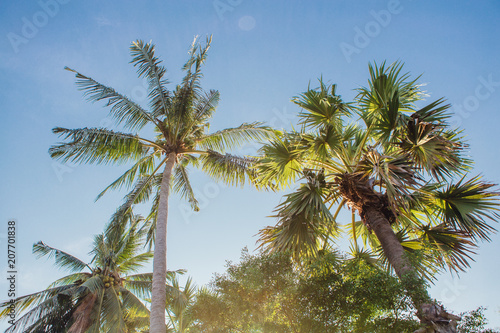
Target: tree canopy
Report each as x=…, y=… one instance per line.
x=271, y=293
x=397, y=166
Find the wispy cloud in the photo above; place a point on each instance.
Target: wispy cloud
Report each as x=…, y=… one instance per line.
x=103, y=21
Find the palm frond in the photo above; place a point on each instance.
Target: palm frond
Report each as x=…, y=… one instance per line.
x=43, y=316
x=280, y=161
x=325, y=142
x=136, y=311
x=422, y=260
x=144, y=166
x=364, y=255
x=468, y=205
x=141, y=284
x=26, y=302
x=182, y=185
x=186, y=94
x=454, y=248
x=383, y=84
x=62, y=259
x=135, y=263
x=143, y=188
x=435, y=112
x=112, y=318
x=54, y=321
x=233, y=138
x=93, y=284
x=303, y=221
x=432, y=149
x=150, y=67
x=98, y=145
x=230, y=169
x=204, y=107
x=151, y=219
x=71, y=279
x=321, y=107
x=396, y=174
x=123, y=109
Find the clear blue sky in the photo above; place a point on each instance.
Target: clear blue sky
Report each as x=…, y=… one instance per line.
x=263, y=53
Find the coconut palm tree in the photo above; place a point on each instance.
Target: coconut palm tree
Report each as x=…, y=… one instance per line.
x=397, y=167
x=180, y=119
x=178, y=305
x=100, y=296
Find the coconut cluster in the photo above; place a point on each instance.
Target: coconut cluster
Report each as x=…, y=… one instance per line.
x=108, y=279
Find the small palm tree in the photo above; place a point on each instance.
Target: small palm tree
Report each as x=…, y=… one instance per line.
x=179, y=303
x=396, y=166
x=101, y=296
x=180, y=119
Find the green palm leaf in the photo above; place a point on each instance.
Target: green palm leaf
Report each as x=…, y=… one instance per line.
x=24, y=303
x=137, y=313
x=98, y=145
x=182, y=185
x=321, y=107
x=92, y=285
x=280, y=161
x=232, y=138
x=149, y=66
x=136, y=262
x=62, y=259
x=230, y=169
x=122, y=109
x=74, y=278
x=466, y=205
x=144, y=166
x=43, y=315
x=454, y=248
x=204, y=108
x=112, y=320
x=303, y=220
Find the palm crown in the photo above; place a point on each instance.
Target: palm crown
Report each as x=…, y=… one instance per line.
x=398, y=166
x=99, y=296
x=181, y=122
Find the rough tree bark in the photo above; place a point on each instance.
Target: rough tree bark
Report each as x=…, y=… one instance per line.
x=377, y=215
x=432, y=315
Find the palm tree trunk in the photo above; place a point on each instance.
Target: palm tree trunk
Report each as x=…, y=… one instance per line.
x=432, y=315
x=159, y=291
x=391, y=246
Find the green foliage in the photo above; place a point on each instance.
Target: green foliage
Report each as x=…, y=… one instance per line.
x=270, y=293
x=474, y=322
x=356, y=297
x=252, y=295
x=179, y=302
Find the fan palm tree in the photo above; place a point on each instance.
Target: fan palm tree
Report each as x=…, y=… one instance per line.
x=100, y=296
x=397, y=167
x=180, y=119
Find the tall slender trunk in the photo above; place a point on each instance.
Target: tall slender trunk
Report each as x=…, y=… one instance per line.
x=159, y=290
x=432, y=315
